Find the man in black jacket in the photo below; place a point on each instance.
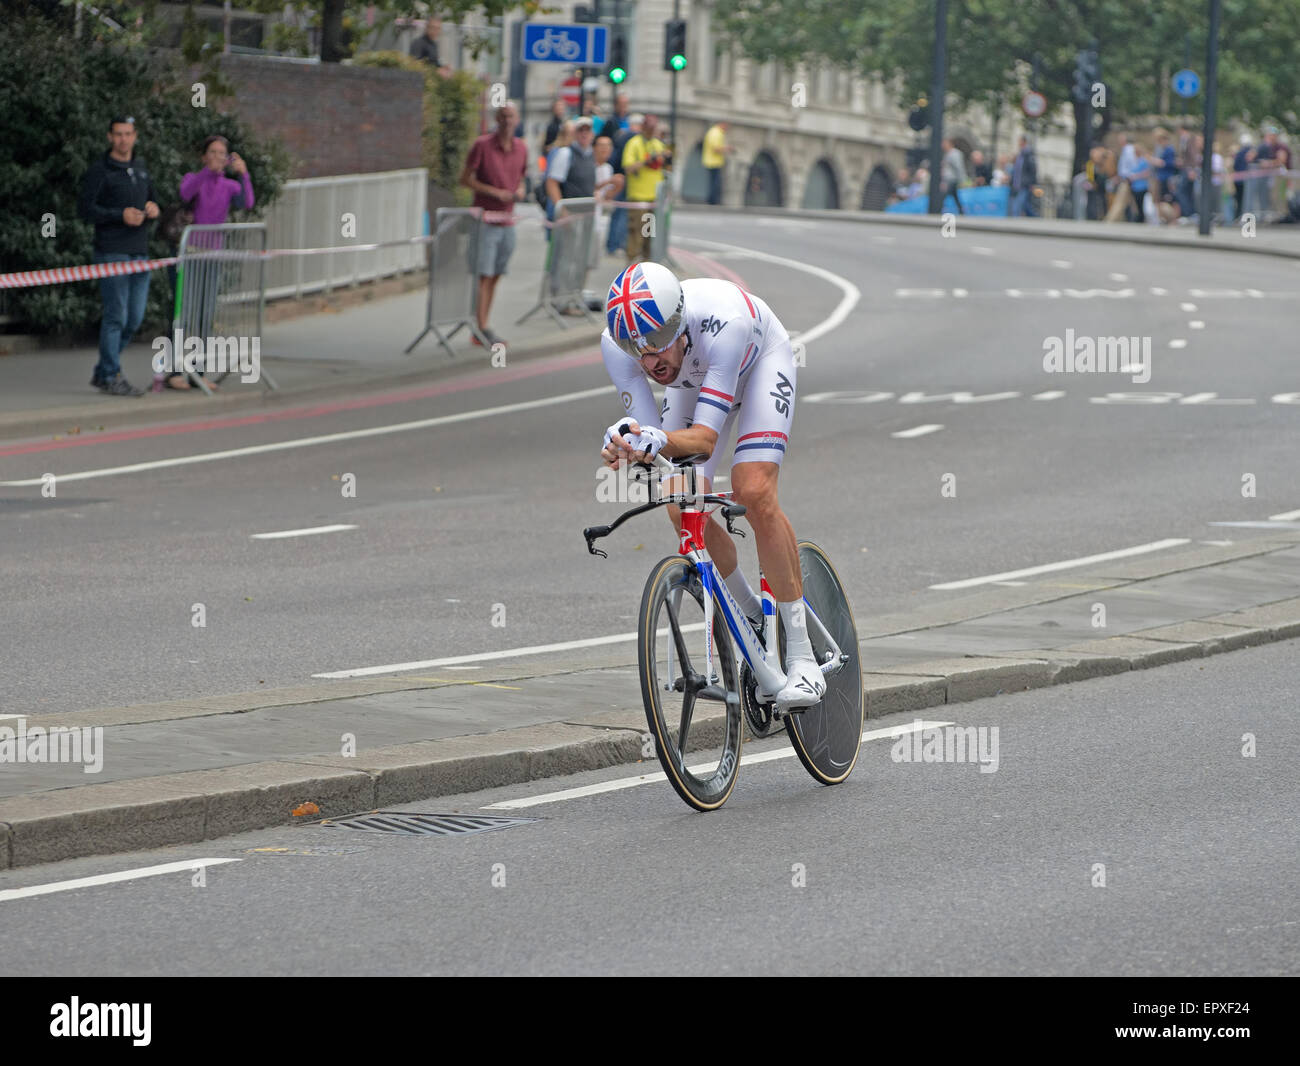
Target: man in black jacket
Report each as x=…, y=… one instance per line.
x=117, y=196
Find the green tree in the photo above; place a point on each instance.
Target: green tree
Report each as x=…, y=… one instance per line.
x=992, y=45
x=57, y=93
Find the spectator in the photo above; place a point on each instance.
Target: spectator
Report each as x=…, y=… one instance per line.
x=572, y=173
x=1240, y=164
x=426, y=46
x=920, y=183
x=1217, y=176
x=213, y=195
x=559, y=112
x=902, y=184
x=608, y=185
x=117, y=196
x=1166, y=164
x=714, y=157
x=981, y=171
x=643, y=162
x=1128, y=166
x=620, y=119
x=1024, y=175
x=562, y=141
x=495, y=171
x=1140, y=182
x=1190, y=153
x=952, y=173
x=617, y=239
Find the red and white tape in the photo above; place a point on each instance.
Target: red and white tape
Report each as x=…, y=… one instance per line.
x=54, y=276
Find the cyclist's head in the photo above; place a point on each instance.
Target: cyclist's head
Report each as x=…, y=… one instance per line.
x=644, y=309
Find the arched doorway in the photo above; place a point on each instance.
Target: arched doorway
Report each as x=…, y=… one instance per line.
x=821, y=190
x=878, y=189
x=695, y=182
x=763, y=182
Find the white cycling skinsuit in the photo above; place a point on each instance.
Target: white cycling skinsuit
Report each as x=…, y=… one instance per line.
x=737, y=370
x=738, y=367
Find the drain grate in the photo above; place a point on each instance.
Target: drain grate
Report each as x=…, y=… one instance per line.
x=438, y=825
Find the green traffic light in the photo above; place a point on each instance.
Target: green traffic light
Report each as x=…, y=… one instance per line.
x=678, y=62
x=617, y=75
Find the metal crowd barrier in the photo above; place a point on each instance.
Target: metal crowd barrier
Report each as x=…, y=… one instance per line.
x=564, y=276
x=663, y=210
x=222, y=297
x=453, y=289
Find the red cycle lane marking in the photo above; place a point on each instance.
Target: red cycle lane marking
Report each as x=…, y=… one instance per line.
x=477, y=381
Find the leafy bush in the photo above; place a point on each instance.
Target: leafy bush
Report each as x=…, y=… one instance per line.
x=450, y=124
x=57, y=94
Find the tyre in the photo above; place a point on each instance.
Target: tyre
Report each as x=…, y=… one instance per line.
x=828, y=735
x=682, y=705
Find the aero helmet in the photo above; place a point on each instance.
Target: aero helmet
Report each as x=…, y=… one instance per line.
x=644, y=309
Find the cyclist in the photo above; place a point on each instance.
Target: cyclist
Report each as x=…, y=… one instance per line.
x=725, y=360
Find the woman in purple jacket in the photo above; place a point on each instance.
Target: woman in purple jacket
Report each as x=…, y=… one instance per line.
x=213, y=194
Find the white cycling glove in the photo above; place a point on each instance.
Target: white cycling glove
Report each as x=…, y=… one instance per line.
x=651, y=440
x=615, y=431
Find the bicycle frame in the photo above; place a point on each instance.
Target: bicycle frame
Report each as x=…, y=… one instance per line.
x=764, y=662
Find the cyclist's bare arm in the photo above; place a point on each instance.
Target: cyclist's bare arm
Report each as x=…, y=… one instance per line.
x=695, y=440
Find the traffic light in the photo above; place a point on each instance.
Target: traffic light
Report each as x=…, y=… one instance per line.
x=1087, y=72
x=675, y=44
x=617, y=72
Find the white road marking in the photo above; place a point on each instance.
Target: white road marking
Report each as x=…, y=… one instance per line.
x=831, y=321
x=1212, y=397
x=1187, y=307
x=1068, y=564
x=300, y=532
x=980, y=249
x=1119, y=277
x=328, y=438
x=921, y=292
x=916, y=431
x=488, y=656
x=1195, y=324
x=1012, y=584
x=1286, y=516
x=645, y=779
x=1178, y=342
x=1064, y=264
x=108, y=879
x=1218, y=543
x=1052, y=395
x=883, y=240
x=959, y=293
x=1159, y=292
x=1270, y=524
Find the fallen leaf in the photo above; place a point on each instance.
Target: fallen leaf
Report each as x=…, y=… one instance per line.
x=305, y=808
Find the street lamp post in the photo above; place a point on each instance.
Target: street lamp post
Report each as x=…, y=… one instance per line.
x=1211, y=102
x=936, y=105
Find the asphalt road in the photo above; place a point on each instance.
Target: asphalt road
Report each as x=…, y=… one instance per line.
x=1123, y=831
x=468, y=532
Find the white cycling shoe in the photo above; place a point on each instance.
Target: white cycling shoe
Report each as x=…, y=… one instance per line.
x=804, y=686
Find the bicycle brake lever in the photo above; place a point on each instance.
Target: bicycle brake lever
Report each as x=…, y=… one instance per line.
x=592, y=533
x=731, y=512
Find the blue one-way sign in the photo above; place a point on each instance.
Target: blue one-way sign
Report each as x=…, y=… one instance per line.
x=1186, y=83
x=583, y=45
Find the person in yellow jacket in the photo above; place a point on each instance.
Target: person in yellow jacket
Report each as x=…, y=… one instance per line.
x=714, y=157
x=644, y=159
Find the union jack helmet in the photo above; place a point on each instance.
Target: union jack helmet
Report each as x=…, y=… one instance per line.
x=644, y=309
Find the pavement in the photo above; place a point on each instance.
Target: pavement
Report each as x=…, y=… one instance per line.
x=202, y=768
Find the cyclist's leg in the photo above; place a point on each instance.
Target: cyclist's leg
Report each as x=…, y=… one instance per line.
x=766, y=416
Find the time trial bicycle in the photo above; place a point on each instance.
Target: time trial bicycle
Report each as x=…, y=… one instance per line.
x=687, y=622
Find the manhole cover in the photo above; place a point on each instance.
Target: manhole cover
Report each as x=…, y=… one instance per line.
x=438, y=825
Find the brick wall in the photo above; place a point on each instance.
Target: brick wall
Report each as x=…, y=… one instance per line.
x=334, y=119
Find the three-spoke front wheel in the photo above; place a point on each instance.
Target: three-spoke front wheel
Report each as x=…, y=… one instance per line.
x=688, y=705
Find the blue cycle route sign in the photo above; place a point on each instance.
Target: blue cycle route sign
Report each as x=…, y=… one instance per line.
x=1186, y=83
x=577, y=45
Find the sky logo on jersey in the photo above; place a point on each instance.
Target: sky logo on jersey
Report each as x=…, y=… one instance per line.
x=713, y=325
